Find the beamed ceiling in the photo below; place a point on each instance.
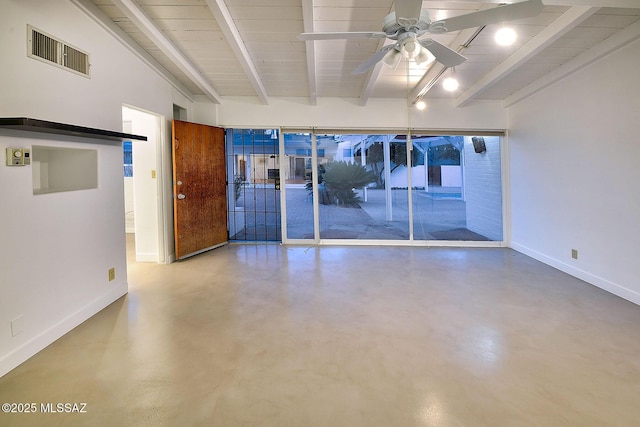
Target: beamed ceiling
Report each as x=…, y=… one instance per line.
x=250, y=48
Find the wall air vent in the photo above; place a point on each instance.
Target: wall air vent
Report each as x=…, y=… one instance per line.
x=43, y=47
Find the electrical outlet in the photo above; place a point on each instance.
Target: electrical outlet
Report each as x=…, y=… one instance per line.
x=17, y=326
x=574, y=253
x=112, y=274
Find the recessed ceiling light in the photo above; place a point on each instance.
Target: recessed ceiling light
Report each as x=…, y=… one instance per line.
x=421, y=105
x=450, y=84
x=505, y=36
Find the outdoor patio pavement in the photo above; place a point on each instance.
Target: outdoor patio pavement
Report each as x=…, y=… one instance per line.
x=437, y=216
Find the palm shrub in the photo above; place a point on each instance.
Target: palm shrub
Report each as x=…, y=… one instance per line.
x=237, y=186
x=341, y=178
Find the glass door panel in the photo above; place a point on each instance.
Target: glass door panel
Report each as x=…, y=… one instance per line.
x=358, y=199
x=457, y=193
x=363, y=187
x=297, y=179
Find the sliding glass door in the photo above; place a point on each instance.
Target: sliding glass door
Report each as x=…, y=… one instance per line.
x=356, y=194
x=457, y=195
x=393, y=187
x=297, y=175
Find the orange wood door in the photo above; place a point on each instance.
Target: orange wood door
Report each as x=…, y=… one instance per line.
x=199, y=188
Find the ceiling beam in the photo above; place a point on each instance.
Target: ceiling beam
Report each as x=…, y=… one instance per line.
x=307, y=18
x=144, y=22
x=88, y=7
x=602, y=49
x=230, y=31
x=559, y=27
x=372, y=78
x=374, y=74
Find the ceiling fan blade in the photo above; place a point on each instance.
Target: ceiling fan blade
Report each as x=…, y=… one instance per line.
x=510, y=12
x=444, y=55
x=408, y=12
x=343, y=36
x=373, y=60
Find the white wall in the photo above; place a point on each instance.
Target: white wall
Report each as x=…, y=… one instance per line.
x=348, y=114
x=483, y=188
x=60, y=245
x=574, y=174
x=450, y=176
x=57, y=249
x=129, y=207
x=399, y=177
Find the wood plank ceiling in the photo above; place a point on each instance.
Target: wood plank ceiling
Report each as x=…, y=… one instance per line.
x=250, y=48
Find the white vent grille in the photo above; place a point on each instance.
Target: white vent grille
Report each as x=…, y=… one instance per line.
x=44, y=47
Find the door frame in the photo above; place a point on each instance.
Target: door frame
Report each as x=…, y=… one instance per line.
x=164, y=213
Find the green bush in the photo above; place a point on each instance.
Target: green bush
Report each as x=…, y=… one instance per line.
x=341, y=178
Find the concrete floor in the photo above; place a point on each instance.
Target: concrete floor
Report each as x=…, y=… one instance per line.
x=265, y=335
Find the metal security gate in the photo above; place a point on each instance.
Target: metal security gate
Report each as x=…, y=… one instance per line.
x=253, y=176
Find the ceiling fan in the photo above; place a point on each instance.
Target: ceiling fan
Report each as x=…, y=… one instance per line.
x=408, y=23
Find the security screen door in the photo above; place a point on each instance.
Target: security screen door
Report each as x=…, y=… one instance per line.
x=253, y=174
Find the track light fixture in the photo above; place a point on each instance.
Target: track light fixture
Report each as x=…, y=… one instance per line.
x=450, y=84
x=505, y=36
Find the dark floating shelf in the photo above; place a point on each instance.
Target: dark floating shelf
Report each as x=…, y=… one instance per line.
x=35, y=125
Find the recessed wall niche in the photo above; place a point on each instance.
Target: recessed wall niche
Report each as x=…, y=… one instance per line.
x=57, y=169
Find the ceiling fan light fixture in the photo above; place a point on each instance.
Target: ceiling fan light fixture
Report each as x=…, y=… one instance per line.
x=392, y=58
x=424, y=57
x=505, y=36
x=411, y=48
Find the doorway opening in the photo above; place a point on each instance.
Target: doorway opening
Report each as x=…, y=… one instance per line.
x=143, y=184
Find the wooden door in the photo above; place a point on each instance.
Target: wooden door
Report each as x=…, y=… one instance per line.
x=199, y=188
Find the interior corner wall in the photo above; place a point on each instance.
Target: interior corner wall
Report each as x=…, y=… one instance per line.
x=61, y=245
x=205, y=113
x=574, y=174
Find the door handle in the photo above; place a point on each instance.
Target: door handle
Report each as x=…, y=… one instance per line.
x=181, y=196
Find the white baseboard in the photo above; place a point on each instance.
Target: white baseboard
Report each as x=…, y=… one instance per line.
x=146, y=257
x=21, y=354
x=592, y=279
